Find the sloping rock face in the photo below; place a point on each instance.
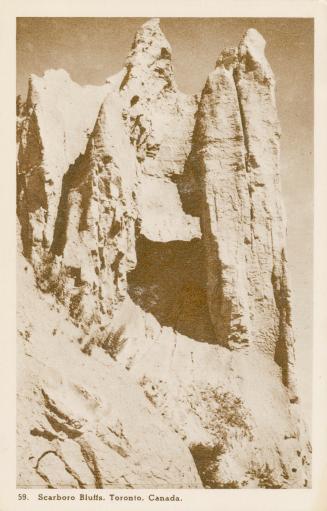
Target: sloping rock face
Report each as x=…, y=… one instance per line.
x=83, y=422
x=153, y=225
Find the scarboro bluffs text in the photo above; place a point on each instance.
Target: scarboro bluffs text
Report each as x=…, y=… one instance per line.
x=152, y=497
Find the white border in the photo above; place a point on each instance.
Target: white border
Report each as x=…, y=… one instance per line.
x=193, y=500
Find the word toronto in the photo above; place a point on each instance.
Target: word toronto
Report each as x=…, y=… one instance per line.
x=112, y=497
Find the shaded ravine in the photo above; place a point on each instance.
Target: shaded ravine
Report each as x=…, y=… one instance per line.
x=169, y=281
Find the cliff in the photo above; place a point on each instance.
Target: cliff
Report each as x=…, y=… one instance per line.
x=153, y=233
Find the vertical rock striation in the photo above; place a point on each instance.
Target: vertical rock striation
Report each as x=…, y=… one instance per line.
x=156, y=220
x=225, y=214
x=256, y=91
x=243, y=223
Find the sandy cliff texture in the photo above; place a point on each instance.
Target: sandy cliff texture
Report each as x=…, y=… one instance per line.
x=154, y=315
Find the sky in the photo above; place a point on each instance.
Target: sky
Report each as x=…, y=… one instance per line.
x=91, y=49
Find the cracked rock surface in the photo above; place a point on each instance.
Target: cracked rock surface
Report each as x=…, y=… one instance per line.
x=154, y=309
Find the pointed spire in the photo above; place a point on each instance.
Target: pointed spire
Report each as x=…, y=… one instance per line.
x=252, y=41
x=251, y=53
x=150, y=58
x=150, y=40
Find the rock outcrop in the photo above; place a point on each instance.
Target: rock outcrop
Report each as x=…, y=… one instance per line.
x=237, y=152
x=153, y=225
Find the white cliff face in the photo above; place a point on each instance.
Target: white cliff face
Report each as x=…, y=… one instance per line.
x=237, y=150
x=161, y=238
x=59, y=117
x=160, y=120
x=94, y=238
x=256, y=90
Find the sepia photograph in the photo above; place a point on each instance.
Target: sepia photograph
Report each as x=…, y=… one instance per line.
x=165, y=179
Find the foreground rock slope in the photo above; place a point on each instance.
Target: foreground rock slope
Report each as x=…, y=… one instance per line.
x=153, y=233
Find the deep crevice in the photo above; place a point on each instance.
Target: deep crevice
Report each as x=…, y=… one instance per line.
x=281, y=355
x=188, y=187
x=30, y=186
x=75, y=178
x=243, y=120
x=169, y=281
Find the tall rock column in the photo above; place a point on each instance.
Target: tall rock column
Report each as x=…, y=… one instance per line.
x=236, y=143
x=225, y=220
x=269, y=282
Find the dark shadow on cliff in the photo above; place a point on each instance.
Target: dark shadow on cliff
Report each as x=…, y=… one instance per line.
x=30, y=186
x=76, y=178
x=189, y=187
x=169, y=281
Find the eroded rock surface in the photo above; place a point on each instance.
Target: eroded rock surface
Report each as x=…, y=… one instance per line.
x=244, y=230
x=154, y=230
x=55, y=123
x=84, y=422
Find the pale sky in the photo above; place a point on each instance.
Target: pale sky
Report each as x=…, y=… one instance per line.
x=91, y=49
